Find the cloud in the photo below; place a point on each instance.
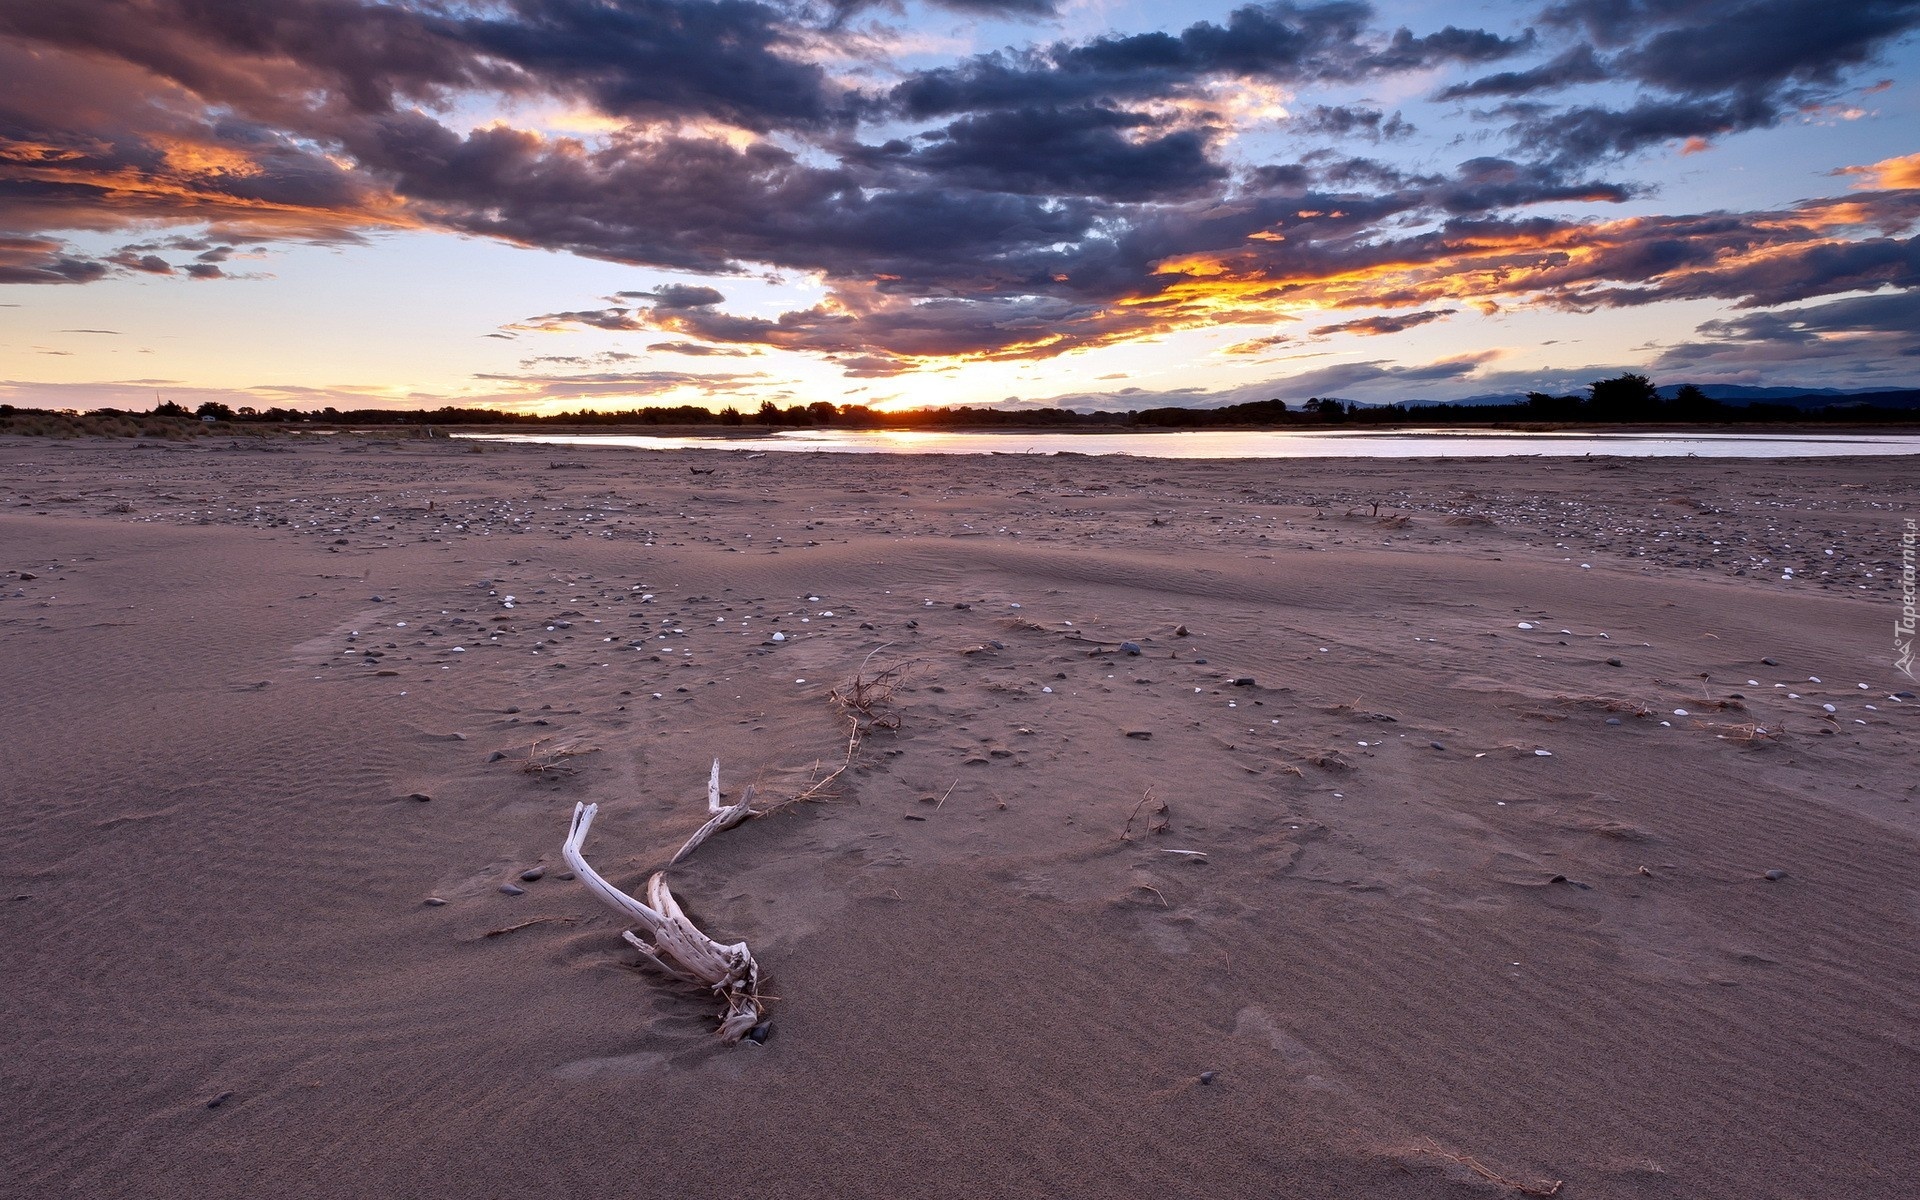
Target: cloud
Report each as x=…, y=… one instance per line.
x=1277, y=42
x=1347, y=121
x=1708, y=68
x=1081, y=150
x=44, y=260
x=1577, y=65
x=1379, y=326
x=1901, y=172
x=1851, y=339
x=678, y=295
x=1022, y=204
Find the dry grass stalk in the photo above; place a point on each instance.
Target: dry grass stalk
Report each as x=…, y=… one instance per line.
x=1159, y=818
x=522, y=925
x=860, y=702
x=679, y=947
x=1749, y=732
x=1486, y=1172
x=552, y=759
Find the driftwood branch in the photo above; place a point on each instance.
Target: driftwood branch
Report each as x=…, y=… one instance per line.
x=724, y=816
x=678, y=947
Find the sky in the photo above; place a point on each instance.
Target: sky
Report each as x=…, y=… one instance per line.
x=548, y=205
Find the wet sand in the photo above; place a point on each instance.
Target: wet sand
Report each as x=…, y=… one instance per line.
x=1432, y=860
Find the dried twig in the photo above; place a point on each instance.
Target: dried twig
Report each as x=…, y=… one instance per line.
x=1161, y=826
x=524, y=924
x=553, y=759
x=1485, y=1172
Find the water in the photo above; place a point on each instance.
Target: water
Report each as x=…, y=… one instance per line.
x=1399, y=443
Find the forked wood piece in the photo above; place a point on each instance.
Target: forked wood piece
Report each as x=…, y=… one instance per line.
x=678, y=947
x=724, y=816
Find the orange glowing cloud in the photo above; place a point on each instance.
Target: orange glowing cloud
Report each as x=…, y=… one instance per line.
x=1888, y=173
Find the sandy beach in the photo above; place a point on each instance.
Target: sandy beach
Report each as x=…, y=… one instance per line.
x=1288, y=828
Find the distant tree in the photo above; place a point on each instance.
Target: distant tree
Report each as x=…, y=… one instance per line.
x=820, y=412
x=1692, y=404
x=1552, y=408
x=214, y=409
x=1627, y=397
x=731, y=416
x=769, y=413
x=1326, y=410
x=167, y=408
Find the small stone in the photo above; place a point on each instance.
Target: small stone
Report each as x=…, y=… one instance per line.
x=222, y=1098
x=1524, y=625
x=385, y=673
x=422, y=797
x=1182, y=631
x=759, y=1034
x=1207, y=1077
x=1242, y=681
x=1776, y=875
x=533, y=874
x=496, y=756
x=565, y=875
x=434, y=902
x=509, y=889
x=1613, y=720
x=1769, y=662
x=28, y=575
x=1142, y=734
x=1130, y=648
x=1614, y=662
x=1436, y=745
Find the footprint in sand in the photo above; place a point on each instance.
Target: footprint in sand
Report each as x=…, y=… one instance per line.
x=1301, y=1063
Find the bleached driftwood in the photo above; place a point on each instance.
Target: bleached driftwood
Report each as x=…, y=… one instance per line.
x=678, y=946
x=724, y=816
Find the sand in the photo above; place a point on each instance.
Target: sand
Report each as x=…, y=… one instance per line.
x=1469, y=909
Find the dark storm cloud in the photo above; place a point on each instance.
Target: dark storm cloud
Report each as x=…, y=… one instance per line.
x=1578, y=65
x=1278, y=42
x=1708, y=68
x=1821, y=268
x=678, y=295
x=1346, y=121
x=1588, y=133
x=1704, y=46
x=44, y=260
x=1895, y=313
x=1854, y=339
x=1484, y=184
x=662, y=58
x=1079, y=151
x=1001, y=8
x=1378, y=326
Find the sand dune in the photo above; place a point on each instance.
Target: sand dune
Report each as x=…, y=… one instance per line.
x=1431, y=860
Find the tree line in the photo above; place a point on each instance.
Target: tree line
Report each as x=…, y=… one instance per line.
x=1626, y=398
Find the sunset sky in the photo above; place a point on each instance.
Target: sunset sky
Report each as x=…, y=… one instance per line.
x=554, y=204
